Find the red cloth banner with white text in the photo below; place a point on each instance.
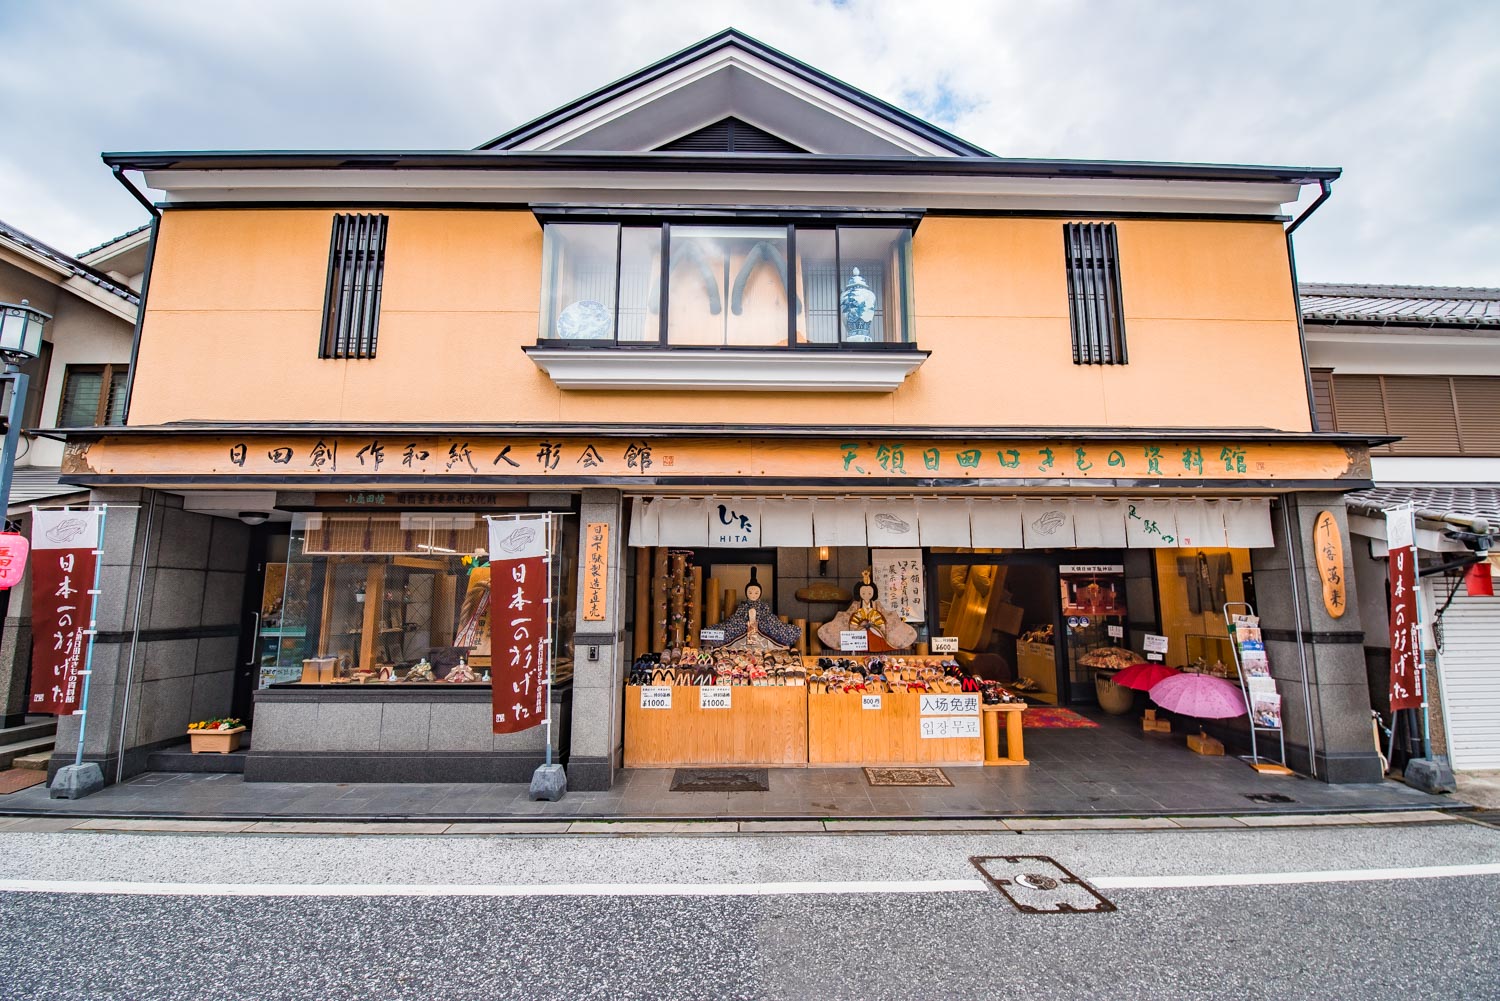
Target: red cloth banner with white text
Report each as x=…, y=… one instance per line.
x=520, y=622
x=62, y=574
x=1406, y=632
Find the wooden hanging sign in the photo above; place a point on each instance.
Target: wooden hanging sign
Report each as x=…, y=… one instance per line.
x=1328, y=547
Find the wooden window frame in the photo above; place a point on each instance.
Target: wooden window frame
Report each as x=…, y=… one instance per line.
x=1096, y=310
x=356, y=278
x=107, y=374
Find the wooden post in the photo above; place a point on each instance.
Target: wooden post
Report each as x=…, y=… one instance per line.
x=801, y=636
x=695, y=597
x=659, y=600
x=642, y=600
x=731, y=601
x=713, y=613
x=676, y=599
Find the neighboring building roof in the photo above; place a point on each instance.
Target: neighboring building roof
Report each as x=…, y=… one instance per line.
x=1467, y=501
x=116, y=239
x=69, y=263
x=697, y=68
x=1400, y=305
x=34, y=483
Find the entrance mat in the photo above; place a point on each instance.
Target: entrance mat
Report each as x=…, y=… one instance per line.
x=906, y=777
x=1050, y=717
x=16, y=779
x=721, y=780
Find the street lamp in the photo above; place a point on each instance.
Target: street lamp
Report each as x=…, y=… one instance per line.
x=20, y=342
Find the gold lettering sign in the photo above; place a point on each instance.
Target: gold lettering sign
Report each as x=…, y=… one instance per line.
x=595, y=570
x=1328, y=546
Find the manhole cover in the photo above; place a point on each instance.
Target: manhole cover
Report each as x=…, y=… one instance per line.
x=720, y=780
x=1036, y=884
x=1269, y=797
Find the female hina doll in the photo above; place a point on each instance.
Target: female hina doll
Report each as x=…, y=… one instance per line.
x=886, y=631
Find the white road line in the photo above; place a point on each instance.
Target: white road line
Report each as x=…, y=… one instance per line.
x=1167, y=882
x=491, y=890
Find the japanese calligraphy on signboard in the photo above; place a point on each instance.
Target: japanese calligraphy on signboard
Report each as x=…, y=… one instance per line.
x=63, y=545
x=1328, y=545
x=902, y=587
x=1406, y=634
x=520, y=621
x=595, y=570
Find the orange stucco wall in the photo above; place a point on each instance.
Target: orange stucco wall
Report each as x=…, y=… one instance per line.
x=232, y=327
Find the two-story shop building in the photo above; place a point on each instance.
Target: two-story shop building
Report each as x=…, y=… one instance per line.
x=736, y=321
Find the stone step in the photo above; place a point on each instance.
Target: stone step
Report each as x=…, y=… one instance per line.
x=10, y=752
x=28, y=731
x=34, y=762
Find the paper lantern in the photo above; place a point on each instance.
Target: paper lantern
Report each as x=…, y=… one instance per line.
x=13, y=550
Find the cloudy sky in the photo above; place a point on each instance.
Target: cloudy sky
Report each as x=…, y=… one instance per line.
x=1404, y=96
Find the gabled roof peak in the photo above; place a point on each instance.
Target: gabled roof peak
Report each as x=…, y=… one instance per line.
x=730, y=74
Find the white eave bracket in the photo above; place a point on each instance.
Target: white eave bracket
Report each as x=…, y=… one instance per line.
x=836, y=370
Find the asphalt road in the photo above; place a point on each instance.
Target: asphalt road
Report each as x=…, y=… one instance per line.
x=1410, y=937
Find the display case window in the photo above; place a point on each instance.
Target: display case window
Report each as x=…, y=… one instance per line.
x=391, y=598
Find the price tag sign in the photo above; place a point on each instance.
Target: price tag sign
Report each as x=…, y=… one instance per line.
x=940, y=705
x=710, y=636
x=656, y=697
x=1155, y=643
x=714, y=697
x=869, y=701
x=854, y=640
x=1116, y=632
x=944, y=644
x=949, y=726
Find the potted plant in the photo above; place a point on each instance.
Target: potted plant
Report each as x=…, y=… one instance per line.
x=215, y=736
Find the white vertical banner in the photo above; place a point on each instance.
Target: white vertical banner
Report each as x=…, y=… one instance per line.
x=900, y=581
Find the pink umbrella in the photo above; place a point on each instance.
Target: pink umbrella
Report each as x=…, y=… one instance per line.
x=1145, y=676
x=1199, y=695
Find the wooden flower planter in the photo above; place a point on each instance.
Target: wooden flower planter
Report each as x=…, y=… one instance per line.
x=215, y=741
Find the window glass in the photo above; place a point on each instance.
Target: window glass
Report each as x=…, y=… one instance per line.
x=1192, y=587
x=393, y=598
x=818, y=283
x=578, y=292
x=80, y=397
x=640, y=284
x=874, y=270
x=727, y=286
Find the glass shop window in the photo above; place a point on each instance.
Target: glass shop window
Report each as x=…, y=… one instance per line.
x=393, y=598
x=736, y=286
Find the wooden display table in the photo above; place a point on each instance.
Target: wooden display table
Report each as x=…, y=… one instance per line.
x=841, y=731
x=1015, y=751
x=762, y=726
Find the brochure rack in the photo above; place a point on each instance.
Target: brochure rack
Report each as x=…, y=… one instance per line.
x=1259, y=688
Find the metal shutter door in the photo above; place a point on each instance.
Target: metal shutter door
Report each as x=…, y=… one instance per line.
x=1471, y=677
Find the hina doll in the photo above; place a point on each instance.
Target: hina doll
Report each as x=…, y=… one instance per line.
x=754, y=625
x=474, y=617
x=886, y=631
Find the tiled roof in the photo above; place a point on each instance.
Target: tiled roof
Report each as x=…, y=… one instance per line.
x=116, y=239
x=1481, y=502
x=1410, y=305
x=72, y=264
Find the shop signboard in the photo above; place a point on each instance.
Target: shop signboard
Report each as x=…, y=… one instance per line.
x=1328, y=546
x=1406, y=635
x=854, y=640
x=656, y=697
x=520, y=616
x=595, y=570
x=942, y=705
x=949, y=726
x=715, y=697
x=65, y=551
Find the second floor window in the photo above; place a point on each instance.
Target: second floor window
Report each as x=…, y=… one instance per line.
x=93, y=396
x=1094, y=303
x=726, y=285
x=356, y=269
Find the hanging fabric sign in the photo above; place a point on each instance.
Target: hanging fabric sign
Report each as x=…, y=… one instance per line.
x=520, y=615
x=899, y=582
x=733, y=523
x=63, y=544
x=1406, y=635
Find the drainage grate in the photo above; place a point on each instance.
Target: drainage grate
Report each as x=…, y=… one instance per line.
x=1036, y=884
x=1269, y=797
x=721, y=780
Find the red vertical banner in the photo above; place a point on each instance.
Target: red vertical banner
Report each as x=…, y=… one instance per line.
x=520, y=622
x=1406, y=630
x=63, y=544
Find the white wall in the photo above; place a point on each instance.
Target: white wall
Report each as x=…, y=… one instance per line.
x=81, y=334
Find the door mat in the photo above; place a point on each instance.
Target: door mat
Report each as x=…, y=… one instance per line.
x=906, y=777
x=16, y=779
x=1051, y=717
x=721, y=780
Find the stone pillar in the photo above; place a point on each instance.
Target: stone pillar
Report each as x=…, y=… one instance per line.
x=1336, y=697
x=183, y=661
x=600, y=658
x=15, y=646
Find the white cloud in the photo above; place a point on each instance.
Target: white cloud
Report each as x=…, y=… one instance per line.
x=1400, y=95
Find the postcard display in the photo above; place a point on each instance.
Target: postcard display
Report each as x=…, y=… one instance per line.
x=731, y=682
x=1261, y=696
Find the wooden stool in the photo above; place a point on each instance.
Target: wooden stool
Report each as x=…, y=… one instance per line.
x=1015, y=752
